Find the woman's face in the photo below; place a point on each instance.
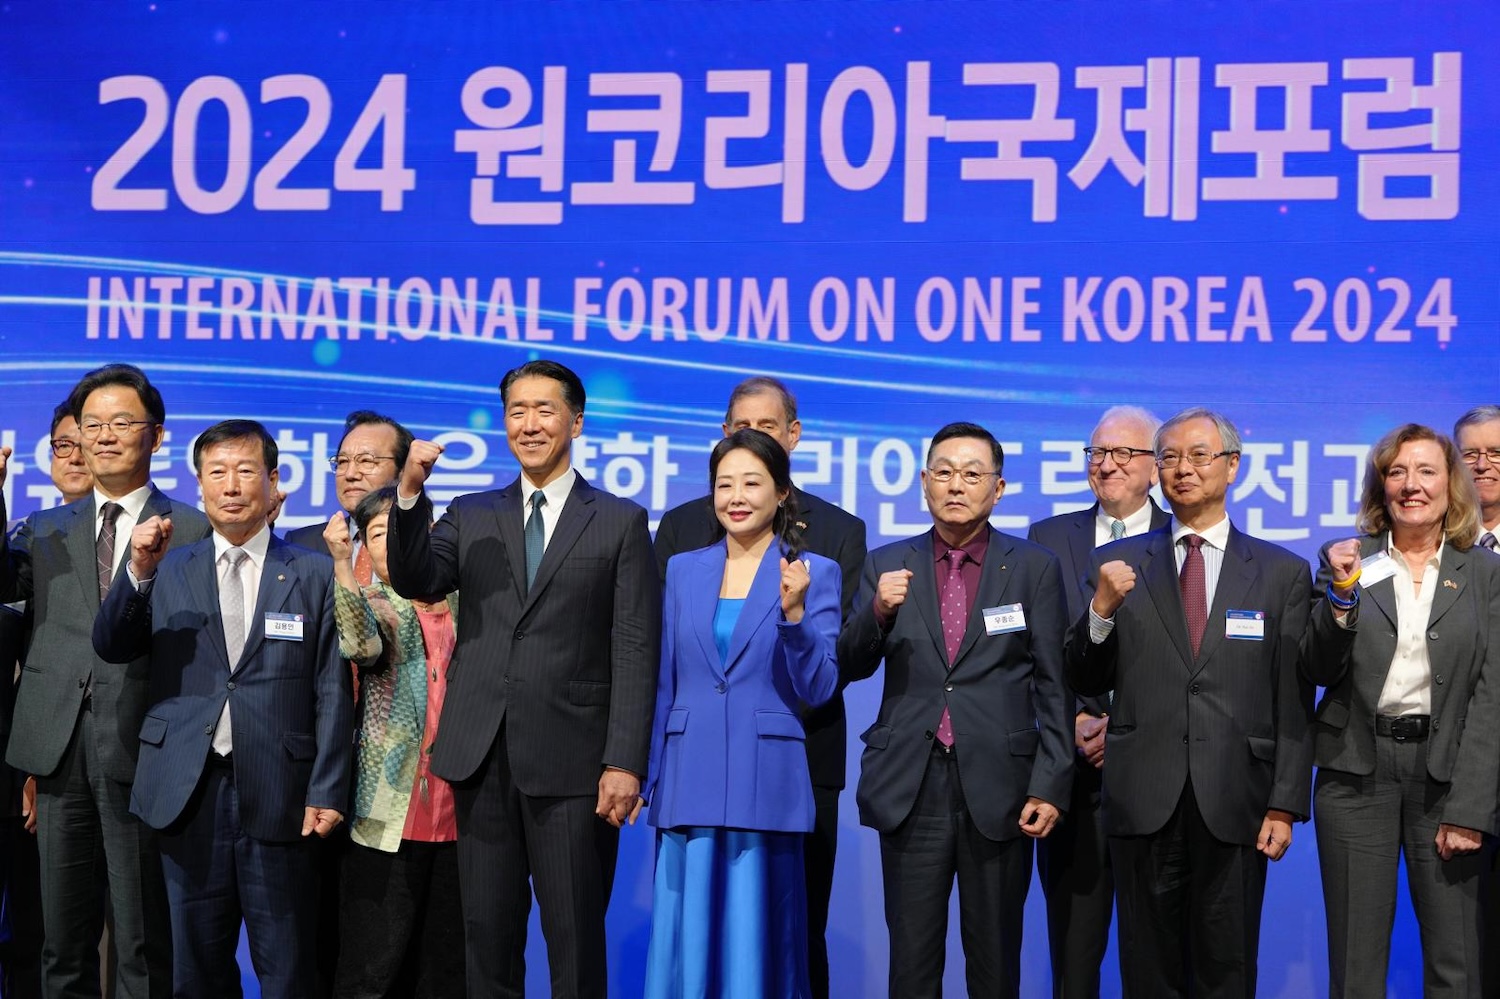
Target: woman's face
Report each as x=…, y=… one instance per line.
x=374, y=540
x=745, y=496
x=1416, y=487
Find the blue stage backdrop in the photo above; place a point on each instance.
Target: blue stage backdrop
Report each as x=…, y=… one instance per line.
x=1014, y=213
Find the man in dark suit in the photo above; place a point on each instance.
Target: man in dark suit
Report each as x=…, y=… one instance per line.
x=1073, y=863
x=972, y=746
x=246, y=742
x=765, y=404
x=546, y=725
x=1196, y=628
x=77, y=719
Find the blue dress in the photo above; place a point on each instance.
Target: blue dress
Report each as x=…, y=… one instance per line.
x=729, y=906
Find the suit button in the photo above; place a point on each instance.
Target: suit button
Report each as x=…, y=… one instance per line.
x=949, y=688
x=80, y=683
x=208, y=730
x=1194, y=689
x=1432, y=635
x=1184, y=740
x=927, y=734
x=720, y=686
x=1438, y=679
x=231, y=684
x=518, y=635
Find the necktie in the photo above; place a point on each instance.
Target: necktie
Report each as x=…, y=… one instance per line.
x=232, y=613
x=104, y=547
x=1193, y=584
x=536, y=537
x=1489, y=541
x=1116, y=530
x=364, y=569
x=955, y=614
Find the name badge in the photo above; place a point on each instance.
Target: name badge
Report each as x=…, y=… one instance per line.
x=1245, y=625
x=1374, y=568
x=284, y=627
x=1003, y=620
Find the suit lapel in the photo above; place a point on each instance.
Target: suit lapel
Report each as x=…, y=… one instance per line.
x=1236, y=578
x=1080, y=548
x=704, y=583
x=277, y=579
x=512, y=533
x=80, y=545
x=202, y=580
x=922, y=590
x=763, y=599
x=994, y=579
x=577, y=511
x=1383, y=593
x=1160, y=572
x=1452, y=577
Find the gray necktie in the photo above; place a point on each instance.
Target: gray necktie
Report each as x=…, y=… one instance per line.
x=1488, y=541
x=232, y=605
x=104, y=547
x=536, y=537
x=1116, y=530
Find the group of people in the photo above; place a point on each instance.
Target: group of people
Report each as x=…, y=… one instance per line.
x=374, y=741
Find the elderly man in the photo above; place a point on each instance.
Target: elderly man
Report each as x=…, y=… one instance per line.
x=1073, y=863
x=369, y=457
x=1477, y=434
x=970, y=757
x=1195, y=628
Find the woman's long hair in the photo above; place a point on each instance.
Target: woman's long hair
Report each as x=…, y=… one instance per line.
x=771, y=454
x=1460, y=523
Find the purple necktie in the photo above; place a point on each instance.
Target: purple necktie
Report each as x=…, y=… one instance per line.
x=1194, y=586
x=955, y=612
x=1489, y=541
x=104, y=547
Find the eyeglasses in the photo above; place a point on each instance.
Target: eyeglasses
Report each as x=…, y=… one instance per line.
x=121, y=426
x=1195, y=458
x=943, y=476
x=366, y=463
x=64, y=447
x=1471, y=456
x=1121, y=455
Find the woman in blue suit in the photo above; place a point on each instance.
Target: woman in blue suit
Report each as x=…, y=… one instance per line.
x=750, y=625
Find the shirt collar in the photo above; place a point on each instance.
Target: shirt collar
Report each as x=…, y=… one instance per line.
x=132, y=503
x=256, y=547
x=1137, y=523
x=1217, y=536
x=1434, y=561
x=975, y=549
x=556, y=491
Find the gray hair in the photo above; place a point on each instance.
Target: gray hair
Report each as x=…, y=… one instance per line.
x=1136, y=414
x=1229, y=437
x=1476, y=416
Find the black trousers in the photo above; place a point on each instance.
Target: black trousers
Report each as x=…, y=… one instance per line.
x=21, y=879
x=1073, y=867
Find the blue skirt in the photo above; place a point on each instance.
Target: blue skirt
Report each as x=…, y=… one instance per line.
x=728, y=916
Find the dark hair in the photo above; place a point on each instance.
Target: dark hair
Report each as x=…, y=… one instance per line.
x=757, y=385
x=370, y=418
x=234, y=430
x=975, y=431
x=126, y=375
x=779, y=464
x=572, y=385
x=1460, y=523
x=371, y=505
x=61, y=412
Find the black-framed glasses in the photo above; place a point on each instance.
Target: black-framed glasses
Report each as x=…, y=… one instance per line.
x=366, y=463
x=1471, y=455
x=1121, y=455
x=943, y=476
x=120, y=425
x=63, y=447
x=1195, y=458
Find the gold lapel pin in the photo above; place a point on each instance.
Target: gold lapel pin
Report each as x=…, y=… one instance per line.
x=1450, y=584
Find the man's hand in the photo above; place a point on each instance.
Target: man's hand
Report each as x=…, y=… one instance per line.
x=795, y=579
x=1453, y=840
x=419, y=461
x=1115, y=580
x=148, y=543
x=1088, y=737
x=28, y=804
x=4, y=459
x=890, y=592
x=1037, y=818
x=1343, y=559
x=619, y=797
x=1275, y=834
x=320, y=820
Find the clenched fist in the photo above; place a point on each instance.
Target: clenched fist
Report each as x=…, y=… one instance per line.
x=148, y=543
x=1343, y=559
x=1115, y=580
x=795, y=578
x=890, y=591
x=419, y=461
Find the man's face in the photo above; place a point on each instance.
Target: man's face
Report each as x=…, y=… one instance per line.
x=368, y=441
x=1194, y=489
x=540, y=427
x=70, y=473
x=1122, y=489
x=237, y=487
x=765, y=412
x=958, y=507
x=119, y=459
x=1483, y=437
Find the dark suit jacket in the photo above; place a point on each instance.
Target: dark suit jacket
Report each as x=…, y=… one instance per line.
x=827, y=530
x=1236, y=720
x=310, y=537
x=50, y=564
x=1463, y=648
x=1011, y=715
x=570, y=667
x=726, y=745
x=290, y=706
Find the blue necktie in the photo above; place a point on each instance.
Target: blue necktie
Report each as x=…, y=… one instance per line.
x=536, y=537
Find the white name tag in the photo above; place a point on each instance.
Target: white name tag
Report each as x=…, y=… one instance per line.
x=1374, y=568
x=284, y=627
x=1005, y=619
x=1247, y=625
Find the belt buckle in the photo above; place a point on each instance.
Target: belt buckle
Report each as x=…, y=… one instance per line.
x=1405, y=728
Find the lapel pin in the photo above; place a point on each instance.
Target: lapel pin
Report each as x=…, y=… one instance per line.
x=280, y=578
x=1450, y=584
x=801, y=525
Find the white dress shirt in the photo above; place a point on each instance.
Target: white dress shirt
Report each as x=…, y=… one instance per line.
x=250, y=573
x=1408, y=681
x=132, y=504
x=556, y=492
x=1215, y=540
x=1137, y=523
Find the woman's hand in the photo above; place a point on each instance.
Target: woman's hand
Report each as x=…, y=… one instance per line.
x=795, y=578
x=341, y=547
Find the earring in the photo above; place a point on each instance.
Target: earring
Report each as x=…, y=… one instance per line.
x=780, y=504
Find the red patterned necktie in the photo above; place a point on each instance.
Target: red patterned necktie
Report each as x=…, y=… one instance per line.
x=1193, y=584
x=955, y=613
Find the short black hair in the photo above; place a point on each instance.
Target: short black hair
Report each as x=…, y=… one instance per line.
x=975, y=431
x=61, y=412
x=371, y=505
x=126, y=375
x=369, y=418
x=572, y=385
x=234, y=430
x=779, y=464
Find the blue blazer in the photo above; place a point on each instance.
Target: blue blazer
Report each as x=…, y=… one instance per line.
x=727, y=741
x=291, y=702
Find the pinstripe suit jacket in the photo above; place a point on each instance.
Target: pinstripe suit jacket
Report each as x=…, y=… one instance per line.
x=1235, y=720
x=50, y=563
x=570, y=666
x=291, y=707
x=1463, y=648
